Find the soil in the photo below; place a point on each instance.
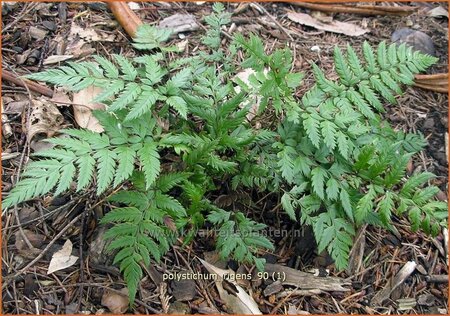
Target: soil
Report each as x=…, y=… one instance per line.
x=31, y=32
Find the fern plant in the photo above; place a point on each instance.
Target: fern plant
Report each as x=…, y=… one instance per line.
x=343, y=164
x=336, y=163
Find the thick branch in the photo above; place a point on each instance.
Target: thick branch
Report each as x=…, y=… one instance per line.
x=125, y=16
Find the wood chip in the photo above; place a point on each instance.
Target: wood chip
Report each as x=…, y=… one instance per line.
x=305, y=280
x=37, y=33
x=179, y=23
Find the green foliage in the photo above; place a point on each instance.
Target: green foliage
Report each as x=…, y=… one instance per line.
x=239, y=237
x=176, y=134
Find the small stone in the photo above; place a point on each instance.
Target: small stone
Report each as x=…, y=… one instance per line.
x=416, y=39
x=441, y=196
x=315, y=48
x=429, y=123
x=184, y=289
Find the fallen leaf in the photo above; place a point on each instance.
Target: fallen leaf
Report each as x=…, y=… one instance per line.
x=45, y=118
x=61, y=97
x=243, y=78
x=89, y=34
x=62, y=259
x=334, y=26
x=117, y=303
x=235, y=298
x=78, y=48
x=438, y=12
x=56, y=59
x=82, y=108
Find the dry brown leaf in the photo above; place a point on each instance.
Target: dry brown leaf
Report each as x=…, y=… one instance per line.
x=78, y=48
x=89, y=34
x=82, y=108
x=62, y=259
x=238, y=301
x=115, y=302
x=61, y=97
x=334, y=26
x=45, y=118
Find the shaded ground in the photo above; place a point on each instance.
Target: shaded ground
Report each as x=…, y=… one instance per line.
x=80, y=288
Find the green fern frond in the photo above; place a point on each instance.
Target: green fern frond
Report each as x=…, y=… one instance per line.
x=149, y=37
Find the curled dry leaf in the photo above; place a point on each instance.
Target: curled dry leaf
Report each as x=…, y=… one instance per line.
x=234, y=296
x=45, y=118
x=333, y=26
x=117, y=303
x=62, y=259
x=82, y=108
x=438, y=12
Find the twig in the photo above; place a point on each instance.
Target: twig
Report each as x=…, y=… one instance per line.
x=33, y=86
x=434, y=278
x=440, y=89
x=363, y=10
x=24, y=12
x=43, y=252
x=436, y=82
x=431, y=77
x=282, y=28
x=22, y=233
